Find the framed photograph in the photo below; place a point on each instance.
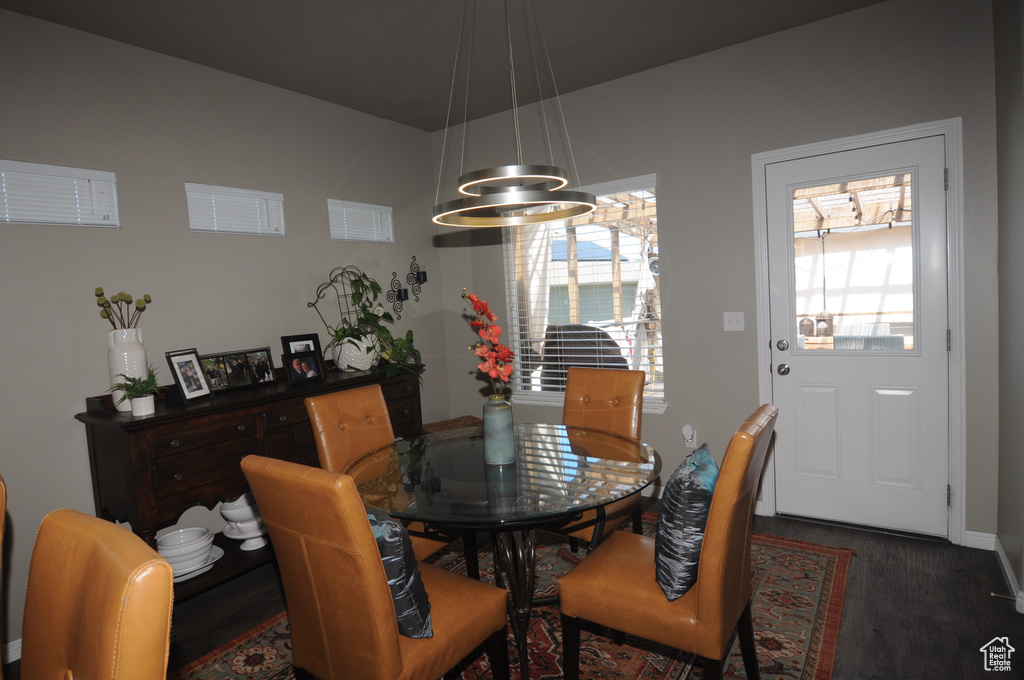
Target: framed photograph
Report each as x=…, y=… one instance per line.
x=216, y=371
x=296, y=344
x=261, y=366
x=303, y=367
x=188, y=374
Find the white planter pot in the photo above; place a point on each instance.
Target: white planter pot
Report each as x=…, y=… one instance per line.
x=354, y=355
x=125, y=356
x=143, y=406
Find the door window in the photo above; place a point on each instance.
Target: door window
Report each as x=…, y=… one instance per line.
x=853, y=262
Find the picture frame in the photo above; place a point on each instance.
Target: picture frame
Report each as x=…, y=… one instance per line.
x=303, y=367
x=188, y=375
x=295, y=344
x=238, y=369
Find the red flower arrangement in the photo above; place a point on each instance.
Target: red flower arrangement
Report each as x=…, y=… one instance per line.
x=497, y=358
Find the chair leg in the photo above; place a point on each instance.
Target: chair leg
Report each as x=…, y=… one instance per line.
x=747, y=646
x=302, y=674
x=574, y=544
x=712, y=668
x=570, y=647
x=497, y=652
x=472, y=554
x=638, y=521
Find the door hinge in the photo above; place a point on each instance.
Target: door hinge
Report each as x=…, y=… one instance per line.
x=949, y=496
x=945, y=178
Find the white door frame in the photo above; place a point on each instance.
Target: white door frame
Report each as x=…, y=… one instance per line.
x=952, y=130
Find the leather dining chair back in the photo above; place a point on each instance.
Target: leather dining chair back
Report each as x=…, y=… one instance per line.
x=616, y=585
x=340, y=607
x=98, y=604
x=348, y=424
x=611, y=400
x=606, y=399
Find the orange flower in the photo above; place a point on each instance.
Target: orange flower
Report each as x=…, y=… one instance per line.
x=497, y=364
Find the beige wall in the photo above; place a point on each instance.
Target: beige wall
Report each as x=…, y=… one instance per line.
x=73, y=99
x=696, y=124
x=1010, y=79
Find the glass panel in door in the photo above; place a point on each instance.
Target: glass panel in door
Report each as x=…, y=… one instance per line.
x=854, y=265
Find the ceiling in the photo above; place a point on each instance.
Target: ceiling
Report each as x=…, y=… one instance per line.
x=394, y=58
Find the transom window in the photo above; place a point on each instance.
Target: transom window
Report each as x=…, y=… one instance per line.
x=585, y=292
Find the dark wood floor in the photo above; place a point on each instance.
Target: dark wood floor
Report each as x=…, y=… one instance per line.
x=914, y=608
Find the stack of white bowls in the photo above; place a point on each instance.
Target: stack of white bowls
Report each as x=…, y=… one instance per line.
x=244, y=522
x=187, y=550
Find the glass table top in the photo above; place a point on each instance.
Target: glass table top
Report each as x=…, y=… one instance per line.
x=441, y=478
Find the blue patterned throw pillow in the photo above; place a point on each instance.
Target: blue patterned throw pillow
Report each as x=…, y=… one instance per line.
x=411, y=604
x=685, y=502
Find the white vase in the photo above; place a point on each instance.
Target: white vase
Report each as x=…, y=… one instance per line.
x=143, y=406
x=126, y=357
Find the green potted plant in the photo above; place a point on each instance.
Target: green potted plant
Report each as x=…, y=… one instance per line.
x=140, y=392
x=362, y=337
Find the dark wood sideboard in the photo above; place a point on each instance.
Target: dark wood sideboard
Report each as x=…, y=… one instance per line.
x=148, y=470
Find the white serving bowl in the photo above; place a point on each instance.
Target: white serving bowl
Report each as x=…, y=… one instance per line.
x=248, y=526
x=188, y=561
x=184, y=541
x=245, y=513
x=245, y=500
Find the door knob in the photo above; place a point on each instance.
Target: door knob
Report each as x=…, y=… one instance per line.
x=783, y=369
x=783, y=345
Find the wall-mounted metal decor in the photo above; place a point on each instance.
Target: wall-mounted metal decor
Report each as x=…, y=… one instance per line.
x=397, y=295
x=415, y=278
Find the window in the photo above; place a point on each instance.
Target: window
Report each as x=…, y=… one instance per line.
x=585, y=292
x=351, y=221
x=235, y=211
x=50, y=194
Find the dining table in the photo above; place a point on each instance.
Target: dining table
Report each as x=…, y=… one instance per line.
x=442, y=480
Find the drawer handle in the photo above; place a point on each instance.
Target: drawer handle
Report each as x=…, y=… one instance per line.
x=175, y=443
x=282, y=417
x=178, y=476
x=241, y=428
x=406, y=412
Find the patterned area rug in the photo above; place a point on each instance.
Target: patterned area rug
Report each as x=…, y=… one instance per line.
x=797, y=606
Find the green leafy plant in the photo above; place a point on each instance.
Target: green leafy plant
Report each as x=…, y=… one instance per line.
x=364, y=318
x=133, y=388
x=120, y=309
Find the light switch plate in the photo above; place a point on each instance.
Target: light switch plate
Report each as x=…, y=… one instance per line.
x=733, y=321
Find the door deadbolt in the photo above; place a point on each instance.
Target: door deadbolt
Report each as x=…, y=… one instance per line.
x=783, y=345
x=783, y=369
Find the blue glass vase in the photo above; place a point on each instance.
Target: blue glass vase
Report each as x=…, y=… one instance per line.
x=499, y=443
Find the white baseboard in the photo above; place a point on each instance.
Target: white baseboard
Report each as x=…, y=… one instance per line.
x=980, y=540
x=1009, y=576
x=12, y=651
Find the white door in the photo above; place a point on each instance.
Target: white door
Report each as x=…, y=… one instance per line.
x=857, y=288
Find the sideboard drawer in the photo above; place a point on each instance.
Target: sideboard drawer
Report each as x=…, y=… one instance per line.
x=402, y=386
x=202, y=434
x=285, y=415
x=190, y=469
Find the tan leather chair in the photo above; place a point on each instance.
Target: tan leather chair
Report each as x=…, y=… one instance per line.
x=350, y=423
x=98, y=603
x=340, y=608
x=616, y=586
x=611, y=400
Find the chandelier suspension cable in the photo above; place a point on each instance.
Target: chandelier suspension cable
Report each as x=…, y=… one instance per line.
x=512, y=87
x=451, y=105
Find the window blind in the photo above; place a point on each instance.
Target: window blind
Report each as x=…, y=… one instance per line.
x=585, y=291
x=235, y=211
x=49, y=194
x=351, y=221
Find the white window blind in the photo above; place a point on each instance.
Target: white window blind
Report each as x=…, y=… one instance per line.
x=585, y=292
x=51, y=194
x=351, y=221
x=234, y=211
